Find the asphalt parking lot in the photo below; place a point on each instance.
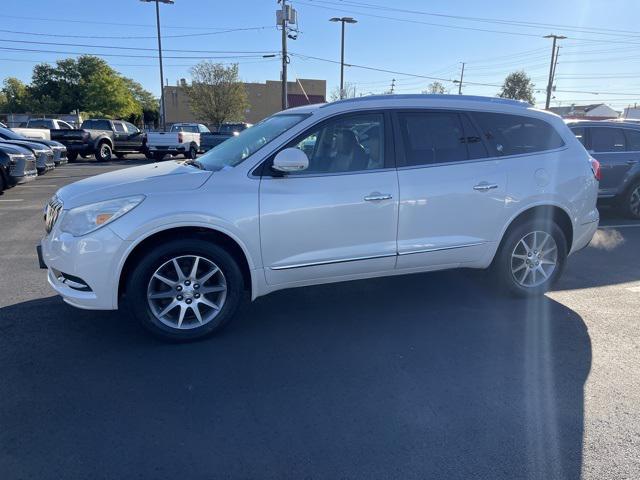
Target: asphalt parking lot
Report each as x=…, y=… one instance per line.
x=424, y=376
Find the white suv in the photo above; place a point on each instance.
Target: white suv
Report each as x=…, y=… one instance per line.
x=359, y=188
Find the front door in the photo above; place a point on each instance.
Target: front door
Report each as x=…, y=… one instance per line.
x=608, y=146
x=339, y=217
x=451, y=194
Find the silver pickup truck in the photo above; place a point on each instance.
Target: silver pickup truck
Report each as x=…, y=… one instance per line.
x=181, y=139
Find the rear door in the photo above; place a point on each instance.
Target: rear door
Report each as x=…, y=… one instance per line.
x=340, y=216
x=120, y=136
x=609, y=147
x=451, y=191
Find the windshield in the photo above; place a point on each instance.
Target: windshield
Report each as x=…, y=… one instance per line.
x=236, y=149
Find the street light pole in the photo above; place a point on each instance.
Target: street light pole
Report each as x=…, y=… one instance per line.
x=163, y=121
x=342, y=20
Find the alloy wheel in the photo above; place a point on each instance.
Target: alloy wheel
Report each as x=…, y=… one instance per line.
x=534, y=259
x=187, y=292
x=634, y=202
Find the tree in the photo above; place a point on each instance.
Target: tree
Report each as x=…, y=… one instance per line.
x=16, y=96
x=349, y=91
x=149, y=104
x=436, y=88
x=518, y=86
x=216, y=95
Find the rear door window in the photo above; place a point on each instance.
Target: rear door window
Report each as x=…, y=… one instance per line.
x=633, y=140
x=517, y=134
x=473, y=139
x=432, y=137
x=606, y=139
x=118, y=127
x=581, y=134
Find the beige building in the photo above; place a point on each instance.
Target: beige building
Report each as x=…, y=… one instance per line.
x=264, y=99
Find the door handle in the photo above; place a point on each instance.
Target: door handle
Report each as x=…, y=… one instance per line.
x=485, y=187
x=376, y=197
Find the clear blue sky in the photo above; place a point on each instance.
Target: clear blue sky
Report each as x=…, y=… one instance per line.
x=398, y=42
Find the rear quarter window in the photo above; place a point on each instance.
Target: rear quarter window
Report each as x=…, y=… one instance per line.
x=517, y=134
x=607, y=139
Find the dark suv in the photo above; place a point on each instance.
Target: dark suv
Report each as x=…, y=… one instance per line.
x=616, y=145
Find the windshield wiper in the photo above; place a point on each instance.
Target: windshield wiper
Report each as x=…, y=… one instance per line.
x=194, y=163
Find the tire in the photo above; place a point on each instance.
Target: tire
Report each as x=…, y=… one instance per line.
x=631, y=201
x=72, y=156
x=121, y=156
x=152, y=313
x=511, y=261
x=103, y=152
x=192, y=153
x=148, y=155
x=158, y=157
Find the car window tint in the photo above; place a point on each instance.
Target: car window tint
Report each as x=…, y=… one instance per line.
x=475, y=147
x=38, y=123
x=517, y=134
x=432, y=137
x=62, y=124
x=118, y=127
x=130, y=127
x=346, y=144
x=633, y=140
x=580, y=133
x=606, y=139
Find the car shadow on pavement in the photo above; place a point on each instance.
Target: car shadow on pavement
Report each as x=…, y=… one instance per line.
x=424, y=376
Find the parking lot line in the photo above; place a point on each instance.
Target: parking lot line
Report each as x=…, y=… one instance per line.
x=12, y=200
x=628, y=225
x=38, y=186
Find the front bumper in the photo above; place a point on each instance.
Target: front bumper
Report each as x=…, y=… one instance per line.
x=84, y=270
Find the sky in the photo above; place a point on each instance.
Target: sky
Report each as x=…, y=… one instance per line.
x=410, y=39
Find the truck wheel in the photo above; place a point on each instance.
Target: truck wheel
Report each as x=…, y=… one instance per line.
x=72, y=156
x=148, y=155
x=158, y=157
x=185, y=289
x=103, y=153
x=120, y=156
x=192, y=153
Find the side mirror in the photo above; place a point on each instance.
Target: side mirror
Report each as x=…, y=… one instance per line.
x=290, y=160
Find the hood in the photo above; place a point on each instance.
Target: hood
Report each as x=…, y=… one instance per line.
x=32, y=145
x=46, y=143
x=162, y=177
x=14, y=149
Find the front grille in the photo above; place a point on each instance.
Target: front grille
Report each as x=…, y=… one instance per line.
x=52, y=212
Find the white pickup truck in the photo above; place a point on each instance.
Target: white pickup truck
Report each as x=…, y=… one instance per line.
x=181, y=139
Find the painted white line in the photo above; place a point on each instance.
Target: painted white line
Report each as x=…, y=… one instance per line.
x=634, y=289
x=12, y=200
x=628, y=225
x=39, y=186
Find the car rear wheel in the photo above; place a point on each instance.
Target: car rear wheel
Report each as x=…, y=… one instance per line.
x=103, y=153
x=72, y=156
x=531, y=258
x=158, y=157
x=192, y=153
x=631, y=201
x=185, y=289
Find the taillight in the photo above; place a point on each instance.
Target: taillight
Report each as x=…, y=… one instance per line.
x=180, y=137
x=595, y=166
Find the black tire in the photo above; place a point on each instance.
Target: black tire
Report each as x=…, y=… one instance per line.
x=103, y=152
x=158, y=157
x=4, y=183
x=72, y=156
x=121, y=156
x=192, y=153
x=630, y=201
x=148, y=155
x=140, y=277
x=502, y=265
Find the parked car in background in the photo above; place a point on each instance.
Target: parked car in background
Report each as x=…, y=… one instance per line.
x=224, y=132
x=17, y=165
x=48, y=124
x=58, y=149
x=102, y=138
x=33, y=133
x=181, y=139
x=446, y=181
x=44, y=155
x=616, y=145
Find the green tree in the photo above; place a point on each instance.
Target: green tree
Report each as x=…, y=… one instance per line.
x=216, y=95
x=150, y=105
x=518, y=86
x=16, y=95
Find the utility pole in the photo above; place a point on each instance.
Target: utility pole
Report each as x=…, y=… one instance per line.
x=393, y=85
x=552, y=66
x=283, y=24
x=461, y=77
x=163, y=121
x=342, y=20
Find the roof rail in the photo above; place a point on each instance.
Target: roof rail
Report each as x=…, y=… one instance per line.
x=417, y=96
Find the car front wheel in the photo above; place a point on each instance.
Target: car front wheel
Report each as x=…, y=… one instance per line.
x=103, y=154
x=632, y=201
x=531, y=258
x=185, y=289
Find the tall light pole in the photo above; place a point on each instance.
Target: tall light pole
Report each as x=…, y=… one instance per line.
x=342, y=20
x=461, y=77
x=552, y=66
x=162, y=110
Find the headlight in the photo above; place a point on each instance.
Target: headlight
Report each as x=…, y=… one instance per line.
x=87, y=218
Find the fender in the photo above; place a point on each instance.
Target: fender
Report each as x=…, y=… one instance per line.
x=100, y=139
